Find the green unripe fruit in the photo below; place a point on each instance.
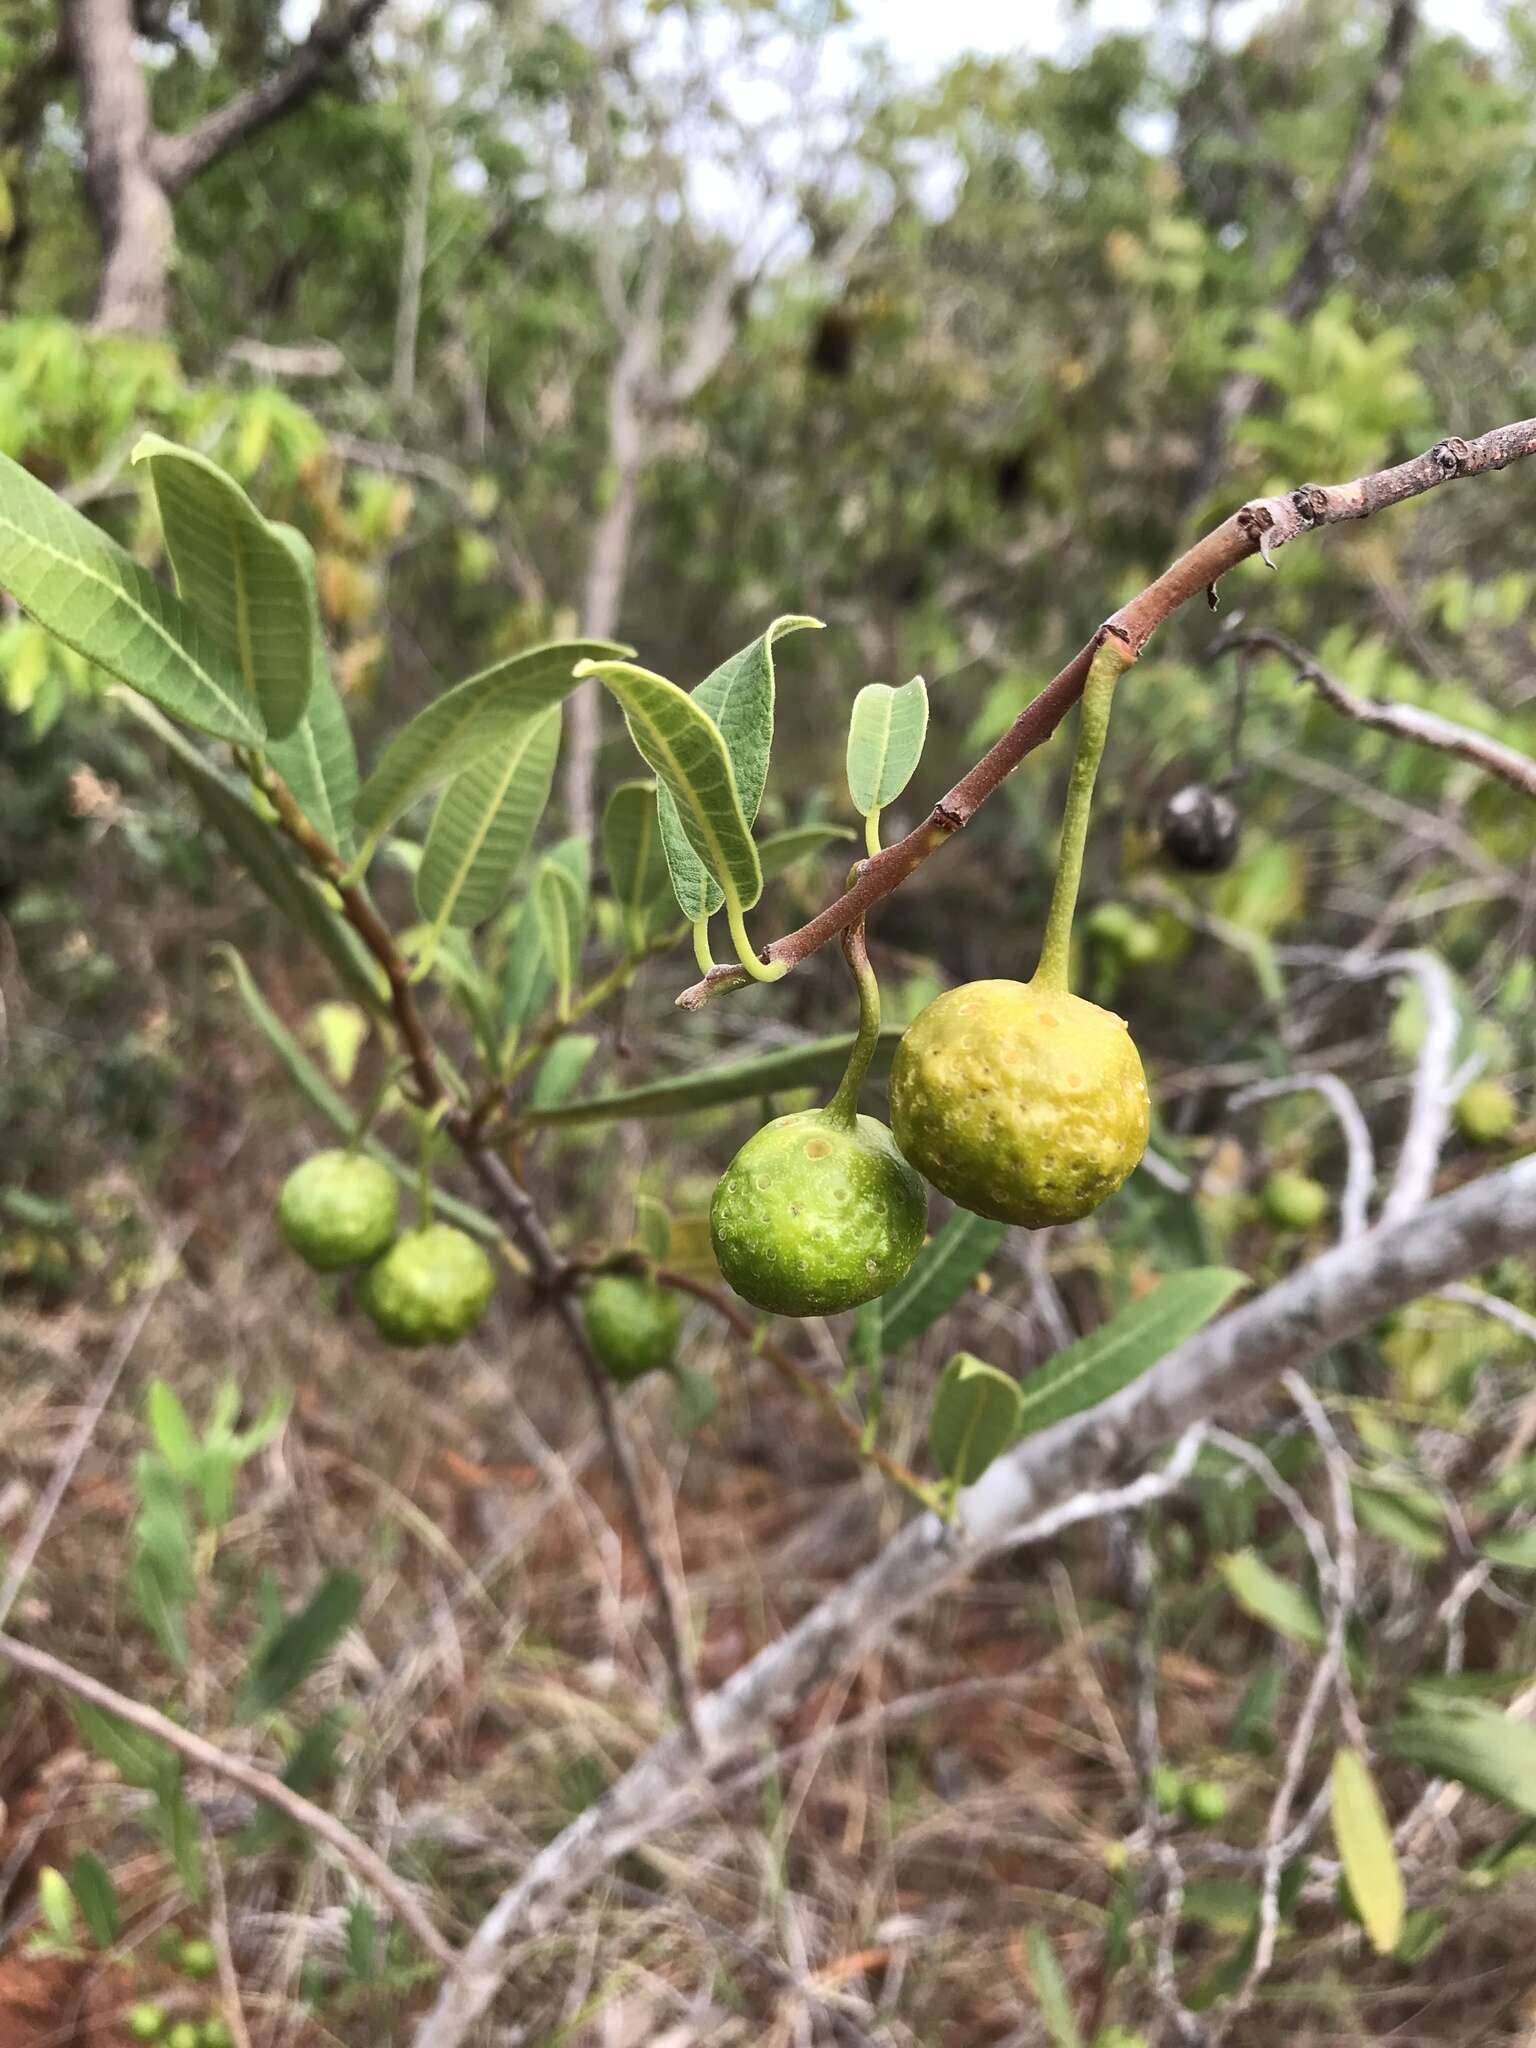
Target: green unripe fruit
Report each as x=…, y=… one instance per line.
x=1205, y=1803
x=182, y=2035
x=339, y=1209
x=1294, y=1201
x=145, y=2022
x=216, y=2034
x=431, y=1287
x=1167, y=1789
x=633, y=1325
x=168, y=1943
x=1111, y=923
x=1143, y=943
x=196, y=1959
x=814, y=1215
x=1485, y=1113
x=1119, y=2037
x=1020, y=1103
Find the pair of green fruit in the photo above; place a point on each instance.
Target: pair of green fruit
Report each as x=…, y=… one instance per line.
x=341, y=1210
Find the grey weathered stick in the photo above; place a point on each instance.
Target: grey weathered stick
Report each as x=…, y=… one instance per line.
x=1026, y=1492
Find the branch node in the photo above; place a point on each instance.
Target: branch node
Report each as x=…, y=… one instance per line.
x=1448, y=455
x=946, y=819
x=1311, y=502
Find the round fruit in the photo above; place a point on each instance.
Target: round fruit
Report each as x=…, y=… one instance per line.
x=632, y=1323
x=1205, y=1803
x=1200, y=828
x=431, y=1287
x=215, y=2034
x=814, y=1215
x=183, y=2035
x=1167, y=1789
x=145, y=2021
x=1485, y=1112
x=339, y=1209
x=1143, y=942
x=1111, y=923
x=1021, y=1103
x=1294, y=1201
x=196, y=1959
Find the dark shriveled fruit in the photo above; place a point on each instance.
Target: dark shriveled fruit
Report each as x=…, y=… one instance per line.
x=633, y=1325
x=339, y=1209
x=431, y=1287
x=1200, y=828
x=816, y=1214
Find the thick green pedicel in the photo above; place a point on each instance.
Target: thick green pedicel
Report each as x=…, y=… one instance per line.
x=432, y=1287
x=1020, y=1102
x=339, y=1209
x=815, y=1215
x=633, y=1325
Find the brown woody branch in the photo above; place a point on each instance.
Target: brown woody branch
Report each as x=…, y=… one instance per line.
x=1257, y=528
x=1403, y=721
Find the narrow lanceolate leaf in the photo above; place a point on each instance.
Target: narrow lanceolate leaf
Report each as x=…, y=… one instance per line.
x=797, y=1066
x=1128, y=1345
x=484, y=823
x=941, y=1273
x=526, y=979
x=637, y=867
x=1365, y=1849
x=239, y=576
x=1051, y=1993
x=683, y=745
x=1269, y=1598
x=557, y=904
x=300, y=1645
x=1477, y=1746
x=739, y=697
x=96, y=1895
x=456, y=728
x=93, y=596
x=781, y=850
x=975, y=1417
x=885, y=742
x=318, y=759
x=561, y=1068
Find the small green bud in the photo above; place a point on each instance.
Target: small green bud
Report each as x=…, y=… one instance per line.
x=1294, y=1201
x=216, y=2034
x=145, y=2022
x=1205, y=1803
x=1485, y=1113
x=1167, y=1789
x=183, y=2035
x=197, y=1959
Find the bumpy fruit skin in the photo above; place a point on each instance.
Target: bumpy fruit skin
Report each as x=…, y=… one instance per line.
x=1485, y=1113
x=1294, y=1201
x=339, y=1209
x=430, y=1287
x=811, y=1217
x=1027, y=1105
x=633, y=1325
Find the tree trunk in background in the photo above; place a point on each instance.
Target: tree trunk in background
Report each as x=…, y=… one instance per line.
x=602, y=601
x=413, y=266
x=133, y=210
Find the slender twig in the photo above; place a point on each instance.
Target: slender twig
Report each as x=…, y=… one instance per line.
x=325, y=1827
x=1257, y=528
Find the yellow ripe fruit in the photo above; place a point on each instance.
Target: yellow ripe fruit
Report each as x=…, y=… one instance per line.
x=1486, y=1112
x=1020, y=1103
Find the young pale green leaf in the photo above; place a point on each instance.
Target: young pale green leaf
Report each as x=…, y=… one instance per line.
x=1401, y=1521
x=96, y=1896
x=1364, y=1841
x=456, y=729
x=318, y=759
x=637, y=865
x=653, y=1227
x=239, y=576
x=1051, y=1991
x=1268, y=1598
x=781, y=850
x=561, y=1068
x=557, y=903
x=300, y=1645
x=1477, y=1746
x=683, y=745
x=797, y=1066
x=885, y=742
x=56, y=1905
x=175, y=1438
x=1128, y=1345
x=942, y=1271
x=975, y=1417
x=138, y=1759
x=484, y=824
x=337, y=1112
x=526, y=979
x=91, y=594
x=739, y=697
x=1513, y=1548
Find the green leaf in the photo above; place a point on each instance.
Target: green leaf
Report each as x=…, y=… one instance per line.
x=341, y=1031
x=137, y=1758
x=781, y=850
x=1364, y=1841
x=300, y=1645
x=179, y=1827
x=684, y=746
x=56, y=1904
x=1128, y=1345
x=1051, y=1991
x=456, y=729
x=1513, y=1548
x=942, y=1271
x=1397, y=1521
x=560, y=1069
x=975, y=1417
x=318, y=759
x=96, y=1895
x=1477, y=1746
x=484, y=824
x=739, y=697
x=653, y=1227
x=239, y=576
x=796, y=1066
x=1271, y=1599
x=885, y=742
x=637, y=866
x=312, y=1084
x=175, y=1438
x=526, y=978
x=557, y=903
x=92, y=595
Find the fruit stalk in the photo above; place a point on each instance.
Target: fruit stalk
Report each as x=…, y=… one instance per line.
x=1110, y=658
x=843, y=1108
